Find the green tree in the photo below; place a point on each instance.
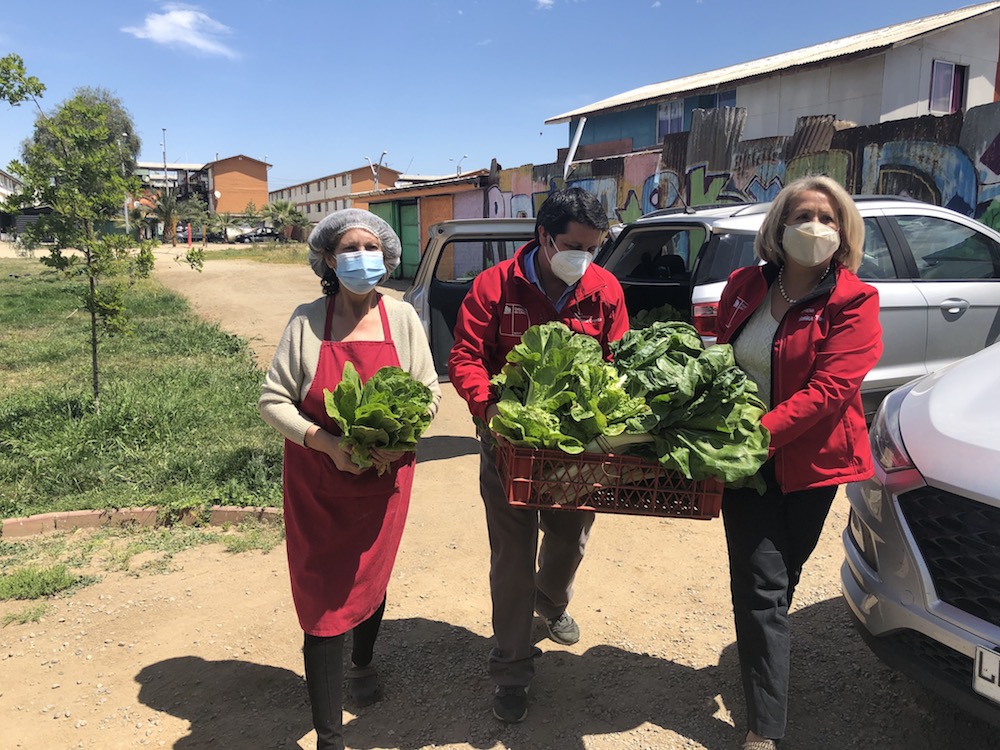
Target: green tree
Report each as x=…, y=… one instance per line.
x=285, y=217
x=16, y=85
x=73, y=165
x=194, y=211
x=251, y=214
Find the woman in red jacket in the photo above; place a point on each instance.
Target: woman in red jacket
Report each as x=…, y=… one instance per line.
x=806, y=330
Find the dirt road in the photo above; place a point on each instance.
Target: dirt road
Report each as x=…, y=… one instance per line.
x=208, y=656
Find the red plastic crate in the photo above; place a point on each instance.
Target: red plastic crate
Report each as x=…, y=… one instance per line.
x=553, y=480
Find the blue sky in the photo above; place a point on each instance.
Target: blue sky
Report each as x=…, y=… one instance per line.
x=318, y=87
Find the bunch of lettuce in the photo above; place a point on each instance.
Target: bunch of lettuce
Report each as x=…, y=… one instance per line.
x=558, y=392
x=704, y=411
x=390, y=411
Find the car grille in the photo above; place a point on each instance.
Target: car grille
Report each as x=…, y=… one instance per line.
x=959, y=540
x=946, y=663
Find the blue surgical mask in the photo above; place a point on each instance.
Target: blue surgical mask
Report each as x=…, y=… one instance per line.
x=360, y=270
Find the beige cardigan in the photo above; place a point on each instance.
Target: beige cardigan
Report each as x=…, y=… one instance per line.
x=294, y=365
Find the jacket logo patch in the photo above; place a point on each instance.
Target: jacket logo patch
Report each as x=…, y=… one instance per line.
x=514, y=320
x=810, y=315
x=739, y=304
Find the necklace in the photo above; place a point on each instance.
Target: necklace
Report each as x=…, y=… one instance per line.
x=781, y=286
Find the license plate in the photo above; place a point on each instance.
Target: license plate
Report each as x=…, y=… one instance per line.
x=986, y=673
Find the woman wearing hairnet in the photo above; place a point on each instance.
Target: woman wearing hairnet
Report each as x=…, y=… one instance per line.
x=342, y=524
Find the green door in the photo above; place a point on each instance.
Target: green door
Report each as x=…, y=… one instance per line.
x=409, y=235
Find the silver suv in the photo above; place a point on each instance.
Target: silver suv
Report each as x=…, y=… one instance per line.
x=922, y=567
x=937, y=273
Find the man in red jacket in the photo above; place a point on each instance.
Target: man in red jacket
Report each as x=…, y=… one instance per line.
x=550, y=278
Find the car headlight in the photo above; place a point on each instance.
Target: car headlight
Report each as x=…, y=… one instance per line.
x=885, y=436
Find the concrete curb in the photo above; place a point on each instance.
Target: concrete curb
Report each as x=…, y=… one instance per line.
x=220, y=515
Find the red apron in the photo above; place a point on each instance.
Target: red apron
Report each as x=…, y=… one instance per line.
x=342, y=531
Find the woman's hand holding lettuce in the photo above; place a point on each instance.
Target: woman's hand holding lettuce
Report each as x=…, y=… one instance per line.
x=381, y=418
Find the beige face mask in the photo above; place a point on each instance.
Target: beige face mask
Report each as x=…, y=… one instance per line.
x=810, y=244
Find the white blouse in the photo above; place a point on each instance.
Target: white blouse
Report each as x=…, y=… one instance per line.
x=752, y=348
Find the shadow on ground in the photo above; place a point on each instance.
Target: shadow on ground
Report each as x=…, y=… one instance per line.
x=436, y=693
x=229, y=703
x=439, y=447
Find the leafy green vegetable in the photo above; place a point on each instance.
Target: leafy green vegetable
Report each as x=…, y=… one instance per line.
x=705, y=412
x=666, y=398
x=390, y=411
x=664, y=312
x=558, y=392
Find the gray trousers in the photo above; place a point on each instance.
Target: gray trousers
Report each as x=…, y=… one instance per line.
x=519, y=589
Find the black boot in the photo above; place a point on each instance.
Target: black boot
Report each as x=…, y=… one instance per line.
x=324, y=661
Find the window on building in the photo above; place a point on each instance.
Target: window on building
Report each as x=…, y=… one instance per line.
x=675, y=116
x=670, y=117
x=343, y=180
x=947, y=86
x=308, y=208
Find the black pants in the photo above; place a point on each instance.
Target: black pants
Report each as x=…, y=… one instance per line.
x=324, y=660
x=769, y=537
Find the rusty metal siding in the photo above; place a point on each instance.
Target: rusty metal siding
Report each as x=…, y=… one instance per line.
x=715, y=134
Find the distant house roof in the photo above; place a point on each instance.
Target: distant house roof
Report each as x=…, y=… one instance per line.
x=239, y=157
x=868, y=43
x=410, y=183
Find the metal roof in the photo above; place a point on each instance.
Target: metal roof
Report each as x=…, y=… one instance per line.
x=158, y=166
x=868, y=42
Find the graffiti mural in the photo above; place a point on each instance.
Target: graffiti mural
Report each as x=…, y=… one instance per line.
x=895, y=158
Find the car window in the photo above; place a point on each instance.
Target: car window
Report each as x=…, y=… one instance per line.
x=464, y=260
x=946, y=250
x=726, y=253
x=876, y=264
x=657, y=253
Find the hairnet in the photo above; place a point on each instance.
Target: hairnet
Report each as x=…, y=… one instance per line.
x=324, y=237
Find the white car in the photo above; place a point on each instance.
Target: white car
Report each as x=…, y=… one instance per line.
x=922, y=568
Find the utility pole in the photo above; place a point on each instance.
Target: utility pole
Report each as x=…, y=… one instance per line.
x=164, y=144
x=124, y=175
x=376, y=168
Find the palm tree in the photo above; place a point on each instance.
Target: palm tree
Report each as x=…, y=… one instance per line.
x=195, y=212
x=285, y=217
x=137, y=217
x=224, y=222
x=166, y=211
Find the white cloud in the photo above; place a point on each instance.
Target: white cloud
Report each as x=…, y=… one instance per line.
x=545, y=4
x=657, y=4
x=184, y=26
x=484, y=43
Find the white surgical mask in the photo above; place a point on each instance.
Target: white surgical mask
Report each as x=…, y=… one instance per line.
x=810, y=244
x=569, y=265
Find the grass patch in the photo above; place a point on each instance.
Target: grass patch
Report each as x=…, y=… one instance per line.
x=177, y=427
x=32, y=582
x=51, y=563
x=31, y=613
x=292, y=253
